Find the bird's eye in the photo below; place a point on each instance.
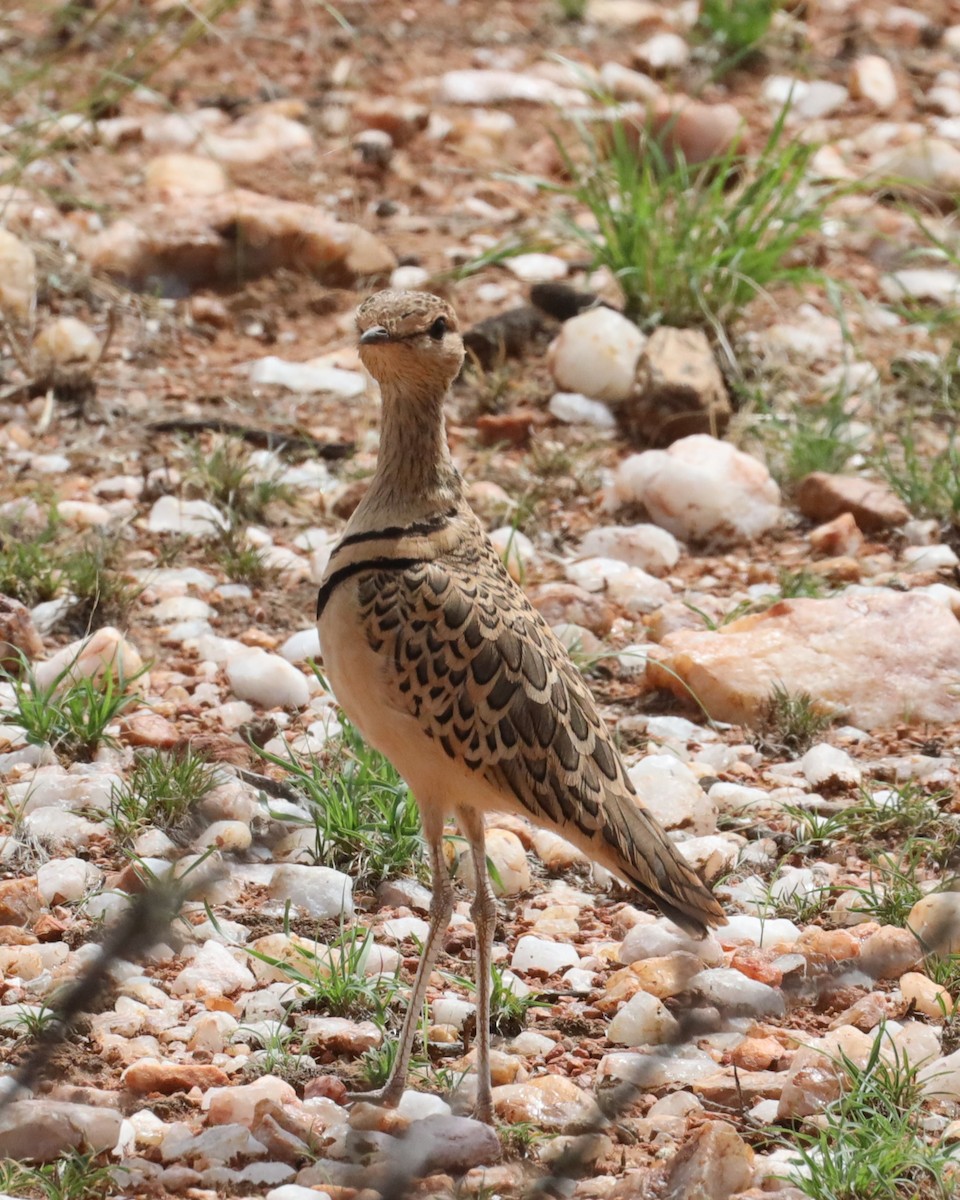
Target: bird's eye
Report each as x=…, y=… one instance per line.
x=438, y=328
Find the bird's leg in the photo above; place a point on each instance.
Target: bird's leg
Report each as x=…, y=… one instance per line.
x=441, y=906
x=484, y=913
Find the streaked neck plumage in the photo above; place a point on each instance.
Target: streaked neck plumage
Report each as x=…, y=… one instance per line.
x=415, y=477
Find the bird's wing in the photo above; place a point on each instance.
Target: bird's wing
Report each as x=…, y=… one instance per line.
x=468, y=656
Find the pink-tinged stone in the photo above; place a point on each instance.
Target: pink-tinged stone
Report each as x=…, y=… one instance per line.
x=877, y=658
x=192, y=241
x=18, y=636
x=148, y=728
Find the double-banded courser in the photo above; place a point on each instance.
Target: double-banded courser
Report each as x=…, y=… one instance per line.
x=442, y=663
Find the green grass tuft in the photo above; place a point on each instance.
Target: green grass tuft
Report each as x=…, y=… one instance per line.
x=241, y=561
x=870, y=1143
x=40, y=565
x=73, y=1176
x=376, y=1064
x=927, y=482
x=163, y=790
x=792, y=721
x=225, y=477
x=572, y=10
x=818, y=438
x=688, y=247
x=894, y=884
x=28, y=568
x=508, y=1010
x=367, y=823
x=103, y=594
x=74, y=717
x=734, y=29
x=331, y=979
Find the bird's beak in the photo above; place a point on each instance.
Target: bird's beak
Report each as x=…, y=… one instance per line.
x=376, y=335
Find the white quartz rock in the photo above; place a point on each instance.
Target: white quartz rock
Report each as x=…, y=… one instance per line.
x=478, y=88
x=301, y=645
x=658, y=937
x=266, y=679
x=193, y=518
x=510, y=870
x=733, y=992
x=574, y=409
x=743, y=928
x=213, y=972
x=824, y=765
x=538, y=954
x=941, y=1078
x=535, y=267
x=670, y=791
x=596, y=355
x=63, y=880
x=642, y=1021
x=929, y=558
x=649, y=547
x=701, y=488
x=320, y=892
x=631, y=587
x=308, y=377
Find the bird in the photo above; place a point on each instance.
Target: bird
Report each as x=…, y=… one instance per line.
x=442, y=663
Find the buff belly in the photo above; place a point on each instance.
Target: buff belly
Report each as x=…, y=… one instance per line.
x=358, y=677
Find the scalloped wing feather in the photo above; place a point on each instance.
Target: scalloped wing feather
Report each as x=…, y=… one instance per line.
x=487, y=678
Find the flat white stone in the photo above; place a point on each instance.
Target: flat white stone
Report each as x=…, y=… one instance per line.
x=452, y=1010
x=301, y=645
x=308, y=476
x=744, y=929
x=401, y=928
x=306, y=377
x=631, y=587
x=409, y=278
x=663, y=52
x=872, y=79
x=479, y=87
x=824, y=764
x=670, y=791
x=575, y=409
x=63, y=880
x=416, y=1105
x=266, y=679
x=213, y=972
x=732, y=991
x=534, y=268
x=928, y=558
x=807, y=101
x=318, y=891
x=922, y=283
x=537, y=954
x=649, y=547
x=194, y=518
x=181, y=608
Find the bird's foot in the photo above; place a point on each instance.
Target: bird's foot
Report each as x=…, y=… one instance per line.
x=483, y=1110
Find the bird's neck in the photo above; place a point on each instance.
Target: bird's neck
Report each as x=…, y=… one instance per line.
x=415, y=476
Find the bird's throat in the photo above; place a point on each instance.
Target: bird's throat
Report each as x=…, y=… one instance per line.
x=415, y=474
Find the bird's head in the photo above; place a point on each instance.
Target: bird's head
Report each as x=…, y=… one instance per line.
x=410, y=338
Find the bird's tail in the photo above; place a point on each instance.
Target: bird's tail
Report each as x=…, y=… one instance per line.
x=639, y=851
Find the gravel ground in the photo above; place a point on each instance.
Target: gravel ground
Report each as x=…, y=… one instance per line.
x=742, y=518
